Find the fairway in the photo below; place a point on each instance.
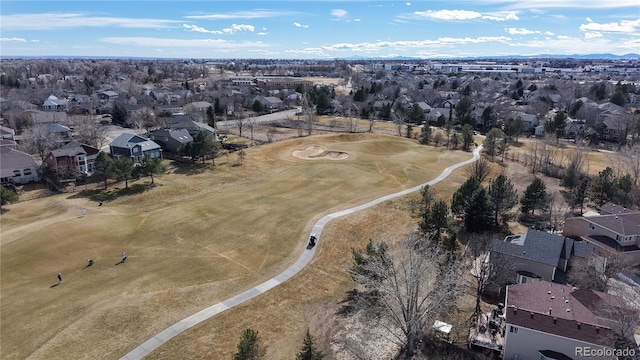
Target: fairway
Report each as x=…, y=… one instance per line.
x=193, y=240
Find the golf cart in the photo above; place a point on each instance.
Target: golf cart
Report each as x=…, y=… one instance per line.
x=312, y=241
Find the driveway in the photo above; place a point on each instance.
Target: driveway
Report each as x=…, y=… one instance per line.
x=307, y=255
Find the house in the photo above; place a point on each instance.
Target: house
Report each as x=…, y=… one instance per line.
x=135, y=147
x=54, y=104
x=544, y=320
x=539, y=255
x=42, y=117
x=107, y=96
x=171, y=109
x=171, y=140
x=72, y=160
x=530, y=121
x=424, y=107
x=7, y=133
x=56, y=132
x=17, y=167
x=272, y=103
x=616, y=229
x=192, y=126
x=614, y=128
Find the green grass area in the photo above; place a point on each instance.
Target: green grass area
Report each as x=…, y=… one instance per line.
x=194, y=239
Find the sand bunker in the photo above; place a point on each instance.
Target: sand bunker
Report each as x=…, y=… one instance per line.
x=315, y=152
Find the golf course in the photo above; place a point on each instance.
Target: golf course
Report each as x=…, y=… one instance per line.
x=197, y=236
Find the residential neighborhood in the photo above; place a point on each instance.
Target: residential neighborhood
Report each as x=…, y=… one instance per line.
x=524, y=178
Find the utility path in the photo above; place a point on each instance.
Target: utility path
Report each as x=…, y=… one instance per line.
x=174, y=330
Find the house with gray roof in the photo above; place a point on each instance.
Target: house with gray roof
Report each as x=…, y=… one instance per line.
x=538, y=255
x=17, y=167
x=171, y=140
x=616, y=229
x=72, y=160
x=54, y=104
x=192, y=126
x=135, y=147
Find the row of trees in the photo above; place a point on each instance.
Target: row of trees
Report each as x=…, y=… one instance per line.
x=124, y=169
x=250, y=347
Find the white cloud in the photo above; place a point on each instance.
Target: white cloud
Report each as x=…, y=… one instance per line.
x=13, y=39
x=217, y=44
x=297, y=24
x=338, y=13
x=592, y=35
x=230, y=30
x=49, y=21
x=262, y=33
x=252, y=14
x=589, y=19
x=449, y=15
x=520, y=31
x=386, y=46
x=624, y=26
x=408, y=3
x=564, y=37
x=356, y=20
x=568, y=4
x=549, y=33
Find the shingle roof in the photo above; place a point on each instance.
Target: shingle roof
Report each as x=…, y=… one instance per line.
x=528, y=305
x=11, y=159
x=538, y=246
x=611, y=208
x=624, y=224
x=128, y=140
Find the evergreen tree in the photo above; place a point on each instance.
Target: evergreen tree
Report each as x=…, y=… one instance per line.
x=503, y=147
x=578, y=195
x=602, y=187
x=309, y=350
x=425, y=135
x=462, y=198
x=467, y=137
x=503, y=197
x=257, y=106
x=557, y=125
x=119, y=115
x=249, y=347
x=416, y=115
x=217, y=108
x=478, y=216
x=535, y=197
x=150, y=167
x=103, y=167
x=491, y=141
x=7, y=196
x=123, y=170
x=211, y=117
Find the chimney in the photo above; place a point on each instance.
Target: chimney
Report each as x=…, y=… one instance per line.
x=549, y=311
x=555, y=320
x=531, y=315
x=578, y=326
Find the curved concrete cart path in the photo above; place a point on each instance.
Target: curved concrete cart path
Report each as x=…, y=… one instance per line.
x=174, y=330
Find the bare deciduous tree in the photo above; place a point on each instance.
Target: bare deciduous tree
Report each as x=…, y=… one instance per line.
x=89, y=131
x=399, y=119
x=557, y=212
x=408, y=287
x=595, y=271
x=480, y=169
x=488, y=272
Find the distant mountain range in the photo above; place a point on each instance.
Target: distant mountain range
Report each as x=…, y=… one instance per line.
x=378, y=58
x=506, y=57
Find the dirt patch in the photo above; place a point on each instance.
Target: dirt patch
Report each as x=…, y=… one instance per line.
x=316, y=152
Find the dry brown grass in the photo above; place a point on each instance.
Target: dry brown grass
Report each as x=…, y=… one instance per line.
x=193, y=240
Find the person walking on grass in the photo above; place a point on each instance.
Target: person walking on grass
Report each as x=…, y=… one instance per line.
x=124, y=256
x=84, y=212
x=59, y=278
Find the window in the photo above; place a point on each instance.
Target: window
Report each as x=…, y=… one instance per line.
x=513, y=329
x=26, y=172
x=17, y=173
x=619, y=238
x=591, y=226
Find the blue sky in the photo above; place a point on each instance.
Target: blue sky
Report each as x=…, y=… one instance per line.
x=318, y=29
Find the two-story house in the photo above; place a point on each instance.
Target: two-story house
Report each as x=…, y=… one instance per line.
x=616, y=229
x=538, y=255
x=72, y=160
x=547, y=321
x=135, y=147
